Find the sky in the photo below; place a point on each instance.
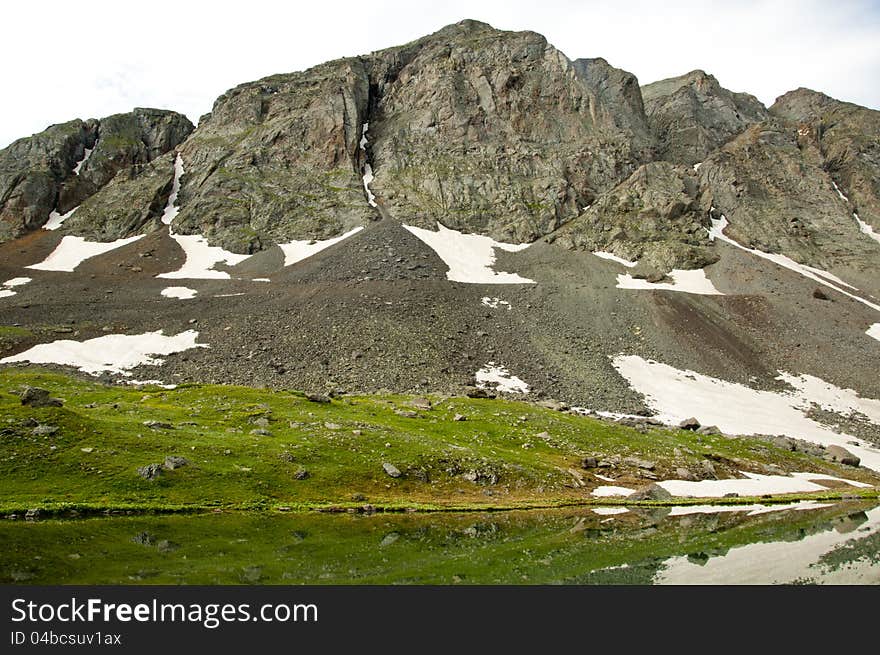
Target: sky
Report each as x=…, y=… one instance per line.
x=92, y=58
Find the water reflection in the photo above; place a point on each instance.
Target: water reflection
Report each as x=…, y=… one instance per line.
x=683, y=545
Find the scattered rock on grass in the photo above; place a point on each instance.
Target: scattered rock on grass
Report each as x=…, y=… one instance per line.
x=391, y=470
x=175, y=462
x=150, y=471
x=36, y=397
x=842, y=455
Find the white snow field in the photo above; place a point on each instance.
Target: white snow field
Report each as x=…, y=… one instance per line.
x=470, y=257
x=201, y=259
x=296, y=251
x=874, y=331
x=675, y=394
x=114, y=353
x=692, y=281
x=73, y=251
x=496, y=376
x=171, y=209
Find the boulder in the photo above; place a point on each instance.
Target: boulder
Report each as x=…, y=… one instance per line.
x=391, y=470
x=36, y=397
x=842, y=455
x=690, y=424
x=650, y=492
x=150, y=471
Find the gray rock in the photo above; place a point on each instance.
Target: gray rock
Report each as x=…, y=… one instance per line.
x=459, y=417
x=650, y=492
x=682, y=473
x=175, y=462
x=708, y=430
x=842, y=455
x=36, y=397
x=479, y=392
x=639, y=463
x=690, y=424
x=421, y=403
x=150, y=471
x=44, y=430
x=301, y=474
x=317, y=398
x=589, y=463
x=158, y=425
x=391, y=470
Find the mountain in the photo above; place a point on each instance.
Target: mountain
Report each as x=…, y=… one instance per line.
x=471, y=212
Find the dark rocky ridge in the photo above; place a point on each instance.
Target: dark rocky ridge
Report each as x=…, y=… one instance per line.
x=37, y=173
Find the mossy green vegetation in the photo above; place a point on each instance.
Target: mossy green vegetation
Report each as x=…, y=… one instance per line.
x=519, y=547
x=263, y=449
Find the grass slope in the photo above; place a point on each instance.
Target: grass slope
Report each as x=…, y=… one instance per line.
x=314, y=455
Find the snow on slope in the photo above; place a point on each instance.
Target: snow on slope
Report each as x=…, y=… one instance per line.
x=201, y=259
x=296, y=251
x=874, y=331
x=737, y=409
x=73, y=251
x=691, y=281
x=181, y=293
x=116, y=353
x=823, y=278
x=498, y=377
x=864, y=228
x=470, y=257
x=171, y=209
x=614, y=258
x=55, y=219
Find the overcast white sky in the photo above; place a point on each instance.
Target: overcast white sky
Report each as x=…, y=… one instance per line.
x=90, y=58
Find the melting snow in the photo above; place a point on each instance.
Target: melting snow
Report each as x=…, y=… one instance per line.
x=614, y=258
x=73, y=251
x=171, y=210
x=368, y=170
x=470, y=257
x=736, y=409
x=201, y=259
x=183, y=293
x=874, y=331
x=864, y=228
x=296, y=251
x=717, y=232
x=499, y=377
x=754, y=484
x=775, y=562
x=693, y=281
x=17, y=282
x=56, y=219
x=116, y=353
x=494, y=303
x=88, y=153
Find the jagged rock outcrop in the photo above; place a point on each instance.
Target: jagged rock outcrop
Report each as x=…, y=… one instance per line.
x=61, y=167
x=693, y=115
x=279, y=159
x=848, y=136
x=653, y=216
x=493, y=132
x=771, y=184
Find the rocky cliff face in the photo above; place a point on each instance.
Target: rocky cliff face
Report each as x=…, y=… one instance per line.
x=495, y=132
x=61, y=167
x=848, y=138
x=693, y=114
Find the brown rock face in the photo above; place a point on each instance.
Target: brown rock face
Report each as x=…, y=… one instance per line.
x=692, y=115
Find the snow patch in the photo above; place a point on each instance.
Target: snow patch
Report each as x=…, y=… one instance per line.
x=500, y=378
x=737, y=409
x=56, y=220
x=87, y=153
x=182, y=293
x=470, y=257
x=17, y=282
x=201, y=259
x=826, y=279
x=6, y=293
x=171, y=210
x=368, y=170
x=606, y=491
x=864, y=228
x=609, y=511
x=296, y=251
x=874, y=331
x=614, y=258
x=754, y=484
x=494, y=303
x=693, y=281
x=115, y=353
x=73, y=251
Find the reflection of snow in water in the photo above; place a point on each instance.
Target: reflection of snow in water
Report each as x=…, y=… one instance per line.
x=779, y=562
